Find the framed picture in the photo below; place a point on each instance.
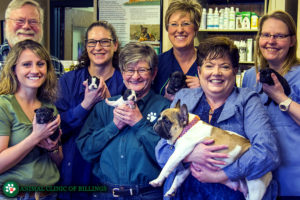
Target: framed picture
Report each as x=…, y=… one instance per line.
x=134, y=20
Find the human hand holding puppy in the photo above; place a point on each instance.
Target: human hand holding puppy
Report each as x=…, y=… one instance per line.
x=91, y=97
x=124, y=115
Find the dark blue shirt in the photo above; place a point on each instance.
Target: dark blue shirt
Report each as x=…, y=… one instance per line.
x=74, y=170
x=167, y=64
x=58, y=67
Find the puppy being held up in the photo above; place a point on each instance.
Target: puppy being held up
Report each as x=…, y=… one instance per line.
x=93, y=82
x=265, y=77
x=176, y=82
x=185, y=130
x=129, y=95
x=44, y=115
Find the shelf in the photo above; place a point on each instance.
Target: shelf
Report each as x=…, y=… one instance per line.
x=228, y=30
x=246, y=62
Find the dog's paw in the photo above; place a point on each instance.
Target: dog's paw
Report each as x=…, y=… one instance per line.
x=151, y=116
x=155, y=183
x=170, y=193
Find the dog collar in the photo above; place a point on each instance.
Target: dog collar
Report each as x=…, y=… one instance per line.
x=187, y=127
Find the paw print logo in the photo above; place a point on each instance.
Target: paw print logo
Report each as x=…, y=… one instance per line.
x=10, y=189
x=151, y=116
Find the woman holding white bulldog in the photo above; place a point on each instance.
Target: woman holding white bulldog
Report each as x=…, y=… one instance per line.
x=221, y=104
x=120, y=141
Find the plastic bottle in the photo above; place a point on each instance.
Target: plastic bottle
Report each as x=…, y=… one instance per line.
x=203, y=19
x=226, y=18
x=232, y=18
x=243, y=51
x=210, y=20
x=216, y=18
x=249, y=49
x=254, y=20
x=221, y=19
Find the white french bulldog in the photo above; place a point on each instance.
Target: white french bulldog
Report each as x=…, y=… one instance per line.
x=185, y=131
x=129, y=95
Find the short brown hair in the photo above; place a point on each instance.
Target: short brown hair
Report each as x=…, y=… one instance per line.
x=186, y=6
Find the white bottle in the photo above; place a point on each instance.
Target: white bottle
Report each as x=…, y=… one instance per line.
x=203, y=19
x=221, y=19
x=232, y=18
x=243, y=51
x=216, y=18
x=210, y=19
x=249, y=49
x=226, y=18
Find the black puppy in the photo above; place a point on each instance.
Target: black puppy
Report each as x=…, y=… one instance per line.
x=93, y=82
x=45, y=115
x=176, y=82
x=265, y=77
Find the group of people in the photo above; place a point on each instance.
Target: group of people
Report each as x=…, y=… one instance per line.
x=116, y=147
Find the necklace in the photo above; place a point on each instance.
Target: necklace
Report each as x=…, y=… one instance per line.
x=211, y=112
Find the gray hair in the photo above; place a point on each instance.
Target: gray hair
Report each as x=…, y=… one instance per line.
x=134, y=52
x=16, y=4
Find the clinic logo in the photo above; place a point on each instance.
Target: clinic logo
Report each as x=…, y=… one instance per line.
x=10, y=189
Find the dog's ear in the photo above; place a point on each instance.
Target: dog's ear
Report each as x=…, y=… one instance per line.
x=178, y=104
x=184, y=115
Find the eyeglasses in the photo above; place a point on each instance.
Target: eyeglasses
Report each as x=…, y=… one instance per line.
x=183, y=25
x=103, y=42
x=266, y=36
x=140, y=71
x=22, y=22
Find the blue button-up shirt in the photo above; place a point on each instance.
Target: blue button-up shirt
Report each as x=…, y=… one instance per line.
x=243, y=113
x=74, y=169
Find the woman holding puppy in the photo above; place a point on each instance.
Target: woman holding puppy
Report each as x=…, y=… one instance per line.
x=182, y=22
x=27, y=155
x=76, y=100
x=221, y=104
x=120, y=141
x=276, y=46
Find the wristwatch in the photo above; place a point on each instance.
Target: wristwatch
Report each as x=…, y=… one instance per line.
x=284, y=106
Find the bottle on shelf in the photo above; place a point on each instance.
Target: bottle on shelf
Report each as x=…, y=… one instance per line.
x=249, y=49
x=226, y=18
x=203, y=19
x=221, y=19
x=210, y=20
x=216, y=18
x=231, y=18
x=243, y=51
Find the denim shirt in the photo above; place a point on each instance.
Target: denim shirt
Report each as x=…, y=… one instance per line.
x=244, y=114
x=288, y=132
x=167, y=64
x=58, y=67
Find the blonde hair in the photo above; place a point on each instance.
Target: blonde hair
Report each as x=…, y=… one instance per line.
x=47, y=92
x=291, y=58
x=191, y=7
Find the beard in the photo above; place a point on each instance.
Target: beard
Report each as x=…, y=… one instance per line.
x=13, y=37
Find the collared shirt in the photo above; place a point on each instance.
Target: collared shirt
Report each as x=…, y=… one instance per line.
x=58, y=67
x=167, y=64
x=73, y=116
x=123, y=157
x=243, y=113
x=288, y=132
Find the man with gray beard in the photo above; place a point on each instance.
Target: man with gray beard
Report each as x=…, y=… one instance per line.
x=24, y=20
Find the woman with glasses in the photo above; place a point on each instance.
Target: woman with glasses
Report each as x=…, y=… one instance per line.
x=120, y=141
x=276, y=46
x=182, y=23
x=100, y=59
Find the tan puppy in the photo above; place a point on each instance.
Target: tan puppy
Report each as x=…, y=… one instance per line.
x=185, y=131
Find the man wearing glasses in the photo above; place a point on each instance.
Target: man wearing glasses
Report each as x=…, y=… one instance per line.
x=24, y=20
